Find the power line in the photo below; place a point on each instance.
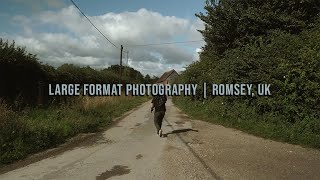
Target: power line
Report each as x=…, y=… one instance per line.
x=93, y=24
x=181, y=42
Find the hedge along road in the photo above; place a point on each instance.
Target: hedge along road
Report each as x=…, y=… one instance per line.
x=190, y=149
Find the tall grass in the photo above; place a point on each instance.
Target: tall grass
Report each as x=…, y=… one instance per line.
x=306, y=132
x=23, y=133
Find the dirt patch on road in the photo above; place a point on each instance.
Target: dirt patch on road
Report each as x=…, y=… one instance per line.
x=139, y=156
x=117, y=170
x=96, y=140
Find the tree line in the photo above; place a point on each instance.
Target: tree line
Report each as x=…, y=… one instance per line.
x=24, y=79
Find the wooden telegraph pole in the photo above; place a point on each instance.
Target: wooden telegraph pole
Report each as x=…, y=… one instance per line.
x=121, y=50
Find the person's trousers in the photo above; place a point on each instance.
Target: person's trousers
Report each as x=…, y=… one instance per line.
x=158, y=118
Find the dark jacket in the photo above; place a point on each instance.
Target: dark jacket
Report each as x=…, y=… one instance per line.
x=159, y=103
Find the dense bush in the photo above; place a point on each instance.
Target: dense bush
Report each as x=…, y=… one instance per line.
x=255, y=42
x=20, y=73
x=289, y=62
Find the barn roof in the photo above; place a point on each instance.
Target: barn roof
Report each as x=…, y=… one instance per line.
x=165, y=75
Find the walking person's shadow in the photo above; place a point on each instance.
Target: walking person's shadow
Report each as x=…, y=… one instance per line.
x=179, y=131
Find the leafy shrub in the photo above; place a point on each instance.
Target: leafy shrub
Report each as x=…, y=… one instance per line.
x=261, y=42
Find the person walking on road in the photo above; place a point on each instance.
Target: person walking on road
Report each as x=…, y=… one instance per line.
x=159, y=104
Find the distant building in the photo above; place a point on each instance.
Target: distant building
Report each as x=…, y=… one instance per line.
x=168, y=77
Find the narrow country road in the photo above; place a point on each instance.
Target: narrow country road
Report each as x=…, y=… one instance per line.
x=190, y=150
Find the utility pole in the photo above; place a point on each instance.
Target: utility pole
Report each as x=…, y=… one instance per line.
x=121, y=50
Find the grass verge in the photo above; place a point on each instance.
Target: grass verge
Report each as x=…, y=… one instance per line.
x=31, y=131
x=305, y=132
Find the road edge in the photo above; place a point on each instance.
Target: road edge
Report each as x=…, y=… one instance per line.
x=70, y=144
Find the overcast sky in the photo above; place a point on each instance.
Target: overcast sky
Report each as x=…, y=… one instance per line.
x=58, y=33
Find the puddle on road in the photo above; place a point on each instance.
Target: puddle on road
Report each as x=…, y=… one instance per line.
x=117, y=170
x=139, y=156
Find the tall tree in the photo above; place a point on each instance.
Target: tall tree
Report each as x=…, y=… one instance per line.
x=233, y=23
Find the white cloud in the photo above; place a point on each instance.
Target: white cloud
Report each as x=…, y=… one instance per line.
x=67, y=37
x=198, y=50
